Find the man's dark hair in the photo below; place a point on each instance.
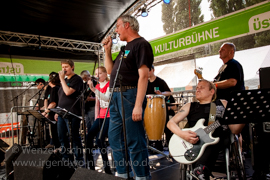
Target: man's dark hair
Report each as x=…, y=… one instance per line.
x=54, y=78
x=69, y=62
x=40, y=80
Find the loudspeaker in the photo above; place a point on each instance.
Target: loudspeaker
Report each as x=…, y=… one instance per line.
x=2, y=156
x=264, y=74
x=39, y=164
x=82, y=173
x=11, y=155
x=3, y=147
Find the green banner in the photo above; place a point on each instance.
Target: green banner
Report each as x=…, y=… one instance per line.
x=27, y=66
x=22, y=78
x=248, y=21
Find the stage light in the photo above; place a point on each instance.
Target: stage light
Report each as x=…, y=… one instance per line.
x=144, y=11
x=167, y=1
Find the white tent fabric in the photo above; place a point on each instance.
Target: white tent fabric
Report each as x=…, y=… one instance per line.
x=180, y=74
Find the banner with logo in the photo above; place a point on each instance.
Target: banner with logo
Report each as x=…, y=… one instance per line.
x=250, y=20
x=45, y=67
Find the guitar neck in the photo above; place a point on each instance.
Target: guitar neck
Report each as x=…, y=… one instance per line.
x=212, y=127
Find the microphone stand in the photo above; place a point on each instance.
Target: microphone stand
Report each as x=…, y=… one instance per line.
x=39, y=94
x=119, y=77
x=83, y=116
x=34, y=126
x=15, y=102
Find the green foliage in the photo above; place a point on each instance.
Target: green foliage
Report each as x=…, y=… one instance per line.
x=262, y=39
x=175, y=16
x=222, y=7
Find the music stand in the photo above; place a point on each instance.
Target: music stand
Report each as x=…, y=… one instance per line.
x=252, y=106
x=247, y=106
x=64, y=113
x=39, y=116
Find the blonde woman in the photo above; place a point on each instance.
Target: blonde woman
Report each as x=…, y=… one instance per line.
x=102, y=102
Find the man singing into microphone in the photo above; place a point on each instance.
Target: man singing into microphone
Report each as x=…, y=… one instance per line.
x=68, y=93
x=136, y=63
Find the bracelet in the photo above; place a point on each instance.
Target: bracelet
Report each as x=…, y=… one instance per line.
x=216, y=85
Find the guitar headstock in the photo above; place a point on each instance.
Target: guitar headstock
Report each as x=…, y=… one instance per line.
x=198, y=73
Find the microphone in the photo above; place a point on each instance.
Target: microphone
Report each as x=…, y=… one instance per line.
x=123, y=48
x=114, y=35
x=65, y=72
x=94, y=78
x=32, y=84
x=114, y=38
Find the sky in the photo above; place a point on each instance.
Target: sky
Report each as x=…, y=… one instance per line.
x=151, y=26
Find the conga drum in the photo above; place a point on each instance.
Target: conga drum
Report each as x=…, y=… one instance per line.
x=155, y=116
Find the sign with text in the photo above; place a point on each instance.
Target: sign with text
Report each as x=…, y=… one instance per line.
x=31, y=66
x=11, y=68
x=251, y=20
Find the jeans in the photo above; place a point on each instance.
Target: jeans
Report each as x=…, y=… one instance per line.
x=55, y=139
x=63, y=130
x=136, y=141
x=94, y=131
x=89, y=118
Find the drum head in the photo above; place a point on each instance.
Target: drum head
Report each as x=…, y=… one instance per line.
x=152, y=96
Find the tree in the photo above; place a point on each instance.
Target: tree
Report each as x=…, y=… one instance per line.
x=262, y=39
x=175, y=16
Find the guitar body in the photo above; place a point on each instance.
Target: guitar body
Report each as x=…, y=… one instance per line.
x=187, y=153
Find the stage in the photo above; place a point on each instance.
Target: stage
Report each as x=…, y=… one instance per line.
x=163, y=168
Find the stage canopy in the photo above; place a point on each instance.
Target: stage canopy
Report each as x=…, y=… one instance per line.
x=59, y=28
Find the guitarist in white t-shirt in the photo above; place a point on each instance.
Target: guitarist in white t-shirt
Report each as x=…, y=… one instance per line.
x=198, y=138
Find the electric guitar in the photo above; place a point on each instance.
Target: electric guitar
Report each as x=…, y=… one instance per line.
x=187, y=153
x=198, y=73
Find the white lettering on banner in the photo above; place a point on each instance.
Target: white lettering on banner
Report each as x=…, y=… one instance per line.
x=8, y=68
x=260, y=22
x=215, y=32
x=188, y=40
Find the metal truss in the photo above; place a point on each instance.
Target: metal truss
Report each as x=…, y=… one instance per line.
x=24, y=40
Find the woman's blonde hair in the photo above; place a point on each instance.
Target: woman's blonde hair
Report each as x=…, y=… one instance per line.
x=103, y=69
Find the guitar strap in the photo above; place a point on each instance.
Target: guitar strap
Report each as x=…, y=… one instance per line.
x=212, y=114
x=221, y=69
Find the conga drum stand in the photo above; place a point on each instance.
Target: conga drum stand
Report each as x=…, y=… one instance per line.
x=160, y=152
